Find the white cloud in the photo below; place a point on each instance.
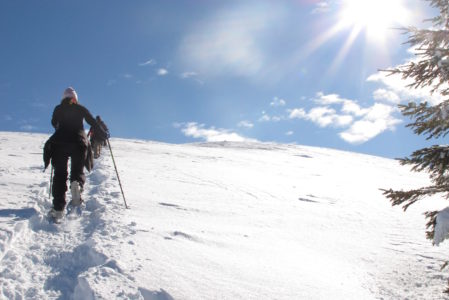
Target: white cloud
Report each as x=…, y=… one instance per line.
x=378, y=119
x=245, y=124
x=267, y=118
x=264, y=118
x=212, y=134
x=289, y=133
x=352, y=108
x=297, y=113
x=186, y=75
x=277, y=102
x=230, y=42
x=362, y=124
x=321, y=7
x=394, y=84
x=348, y=106
x=321, y=98
x=162, y=72
x=386, y=95
x=322, y=116
x=150, y=62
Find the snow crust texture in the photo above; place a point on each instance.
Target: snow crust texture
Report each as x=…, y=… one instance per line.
x=216, y=221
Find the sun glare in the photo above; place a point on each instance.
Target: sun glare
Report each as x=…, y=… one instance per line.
x=375, y=17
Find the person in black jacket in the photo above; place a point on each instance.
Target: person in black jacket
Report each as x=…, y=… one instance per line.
x=69, y=141
x=97, y=139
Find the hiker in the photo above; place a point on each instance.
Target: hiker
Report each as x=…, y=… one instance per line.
x=96, y=138
x=69, y=140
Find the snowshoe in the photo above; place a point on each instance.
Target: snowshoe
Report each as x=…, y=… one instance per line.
x=76, y=191
x=55, y=216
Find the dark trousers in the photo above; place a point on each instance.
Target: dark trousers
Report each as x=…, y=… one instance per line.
x=60, y=158
x=96, y=145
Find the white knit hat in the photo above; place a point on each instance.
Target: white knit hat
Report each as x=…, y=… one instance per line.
x=70, y=93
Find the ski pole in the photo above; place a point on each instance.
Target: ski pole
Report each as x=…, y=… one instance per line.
x=118, y=177
x=51, y=182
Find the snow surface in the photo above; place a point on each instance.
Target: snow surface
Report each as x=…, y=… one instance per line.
x=216, y=221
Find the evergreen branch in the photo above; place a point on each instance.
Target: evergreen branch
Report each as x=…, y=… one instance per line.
x=434, y=160
x=407, y=198
x=430, y=225
x=446, y=263
x=429, y=120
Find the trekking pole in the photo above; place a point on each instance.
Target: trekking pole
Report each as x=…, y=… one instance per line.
x=115, y=166
x=51, y=182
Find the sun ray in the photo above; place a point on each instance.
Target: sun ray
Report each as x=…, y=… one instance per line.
x=342, y=53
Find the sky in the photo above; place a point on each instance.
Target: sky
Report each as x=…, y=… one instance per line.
x=288, y=71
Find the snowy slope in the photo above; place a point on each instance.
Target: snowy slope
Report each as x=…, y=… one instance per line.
x=216, y=221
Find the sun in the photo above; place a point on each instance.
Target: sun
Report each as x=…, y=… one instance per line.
x=376, y=20
x=376, y=17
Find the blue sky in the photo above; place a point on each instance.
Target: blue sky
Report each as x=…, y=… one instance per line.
x=299, y=71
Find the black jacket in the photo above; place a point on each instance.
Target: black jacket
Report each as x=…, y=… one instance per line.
x=68, y=119
x=96, y=134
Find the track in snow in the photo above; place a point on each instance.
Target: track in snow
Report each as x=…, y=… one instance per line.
x=67, y=259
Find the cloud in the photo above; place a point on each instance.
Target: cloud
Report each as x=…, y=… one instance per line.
x=297, y=113
x=386, y=95
x=7, y=118
x=245, y=124
x=322, y=116
x=186, y=75
x=348, y=106
x=162, y=72
x=267, y=118
x=362, y=124
x=278, y=102
x=378, y=119
x=321, y=7
x=150, y=62
x=212, y=134
x=191, y=75
x=288, y=133
x=264, y=118
x=230, y=42
x=396, y=90
x=321, y=98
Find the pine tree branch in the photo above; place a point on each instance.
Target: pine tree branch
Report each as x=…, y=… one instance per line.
x=432, y=67
x=429, y=120
x=434, y=160
x=430, y=225
x=407, y=198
